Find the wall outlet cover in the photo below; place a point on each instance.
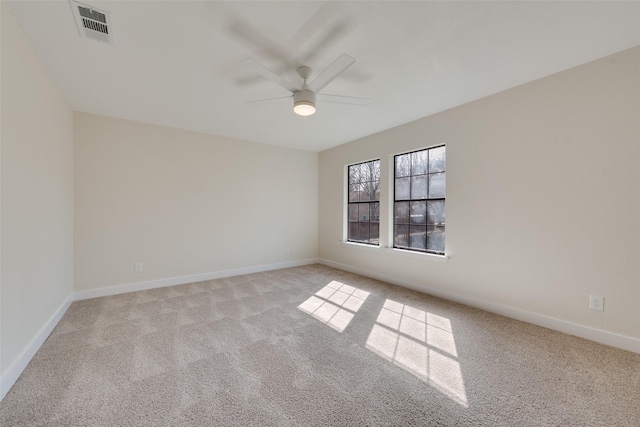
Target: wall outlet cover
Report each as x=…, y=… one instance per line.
x=596, y=302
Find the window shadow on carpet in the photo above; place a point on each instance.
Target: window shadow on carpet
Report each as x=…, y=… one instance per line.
x=335, y=305
x=422, y=344
x=415, y=340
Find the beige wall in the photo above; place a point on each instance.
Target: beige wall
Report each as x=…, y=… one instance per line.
x=185, y=203
x=543, y=205
x=37, y=195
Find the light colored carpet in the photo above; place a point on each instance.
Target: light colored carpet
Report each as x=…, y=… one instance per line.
x=314, y=346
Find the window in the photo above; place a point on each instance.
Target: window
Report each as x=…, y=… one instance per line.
x=419, y=200
x=364, y=203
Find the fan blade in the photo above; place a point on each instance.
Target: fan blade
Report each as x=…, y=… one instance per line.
x=344, y=102
x=342, y=99
x=249, y=80
x=268, y=99
x=255, y=40
x=344, y=96
x=320, y=25
x=324, y=15
x=343, y=62
x=267, y=73
x=329, y=38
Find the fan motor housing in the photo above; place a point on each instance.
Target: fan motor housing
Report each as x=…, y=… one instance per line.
x=304, y=96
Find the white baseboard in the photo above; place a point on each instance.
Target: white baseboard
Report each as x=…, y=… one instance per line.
x=172, y=281
x=13, y=373
x=597, y=335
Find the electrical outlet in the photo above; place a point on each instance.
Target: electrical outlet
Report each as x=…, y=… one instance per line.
x=596, y=302
x=137, y=267
x=287, y=250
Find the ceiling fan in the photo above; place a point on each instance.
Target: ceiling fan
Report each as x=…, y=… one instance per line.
x=304, y=95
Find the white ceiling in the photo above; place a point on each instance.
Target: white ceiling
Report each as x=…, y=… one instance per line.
x=179, y=63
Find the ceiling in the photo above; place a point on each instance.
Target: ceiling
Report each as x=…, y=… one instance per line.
x=179, y=63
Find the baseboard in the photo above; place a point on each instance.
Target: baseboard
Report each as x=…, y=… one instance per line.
x=13, y=373
x=597, y=335
x=173, y=281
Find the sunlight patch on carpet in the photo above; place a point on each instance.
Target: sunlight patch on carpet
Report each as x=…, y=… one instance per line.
x=335, y=304
x=422, y=344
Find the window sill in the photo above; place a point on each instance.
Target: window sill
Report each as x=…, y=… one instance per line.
x=401, y=252
x=359, y=245
x=423, y=255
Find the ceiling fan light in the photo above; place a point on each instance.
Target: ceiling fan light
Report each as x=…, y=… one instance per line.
x=304, y=102
x=304, y=108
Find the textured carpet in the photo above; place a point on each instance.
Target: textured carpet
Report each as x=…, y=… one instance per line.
x=314, y=346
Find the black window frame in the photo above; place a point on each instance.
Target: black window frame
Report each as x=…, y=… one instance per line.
x=437, y=226
x=360, y=223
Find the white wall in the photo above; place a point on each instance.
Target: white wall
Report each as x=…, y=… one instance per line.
x=543, y=205
x=184, y=203
x=37, y=200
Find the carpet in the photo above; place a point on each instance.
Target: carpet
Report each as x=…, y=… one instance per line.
x=311, y=346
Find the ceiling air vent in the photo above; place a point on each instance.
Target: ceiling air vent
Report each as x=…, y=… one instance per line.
x=93, y=23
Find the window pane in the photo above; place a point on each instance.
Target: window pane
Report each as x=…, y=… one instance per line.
x=353, y=231
x=363, y=212
x=418, y=212
x=401, y=213
x=403, y=164
x=375, y=212
x=375, y=180
x=417, y=237
x=437, y=159
x=354, y=172
x=372, y=189
x=435, y=212
x=366, y=172
x=419, y=162
x=375, y=232
x=419, y=187
x=362, y=169
x=353, y=213
x=375, y=168
x=402, y=189
x=401, y=236
x=437, y=185
x=362, y=196
x=363, y=231
x=353, y=193
x=364, y=192
x=435, y=239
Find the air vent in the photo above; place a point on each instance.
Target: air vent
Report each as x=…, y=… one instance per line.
x=93, y=23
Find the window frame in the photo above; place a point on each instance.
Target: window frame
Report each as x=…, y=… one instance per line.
x=394, y=201
x=348, y=203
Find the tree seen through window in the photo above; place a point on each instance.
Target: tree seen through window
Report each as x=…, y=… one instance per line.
x=364, y=202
